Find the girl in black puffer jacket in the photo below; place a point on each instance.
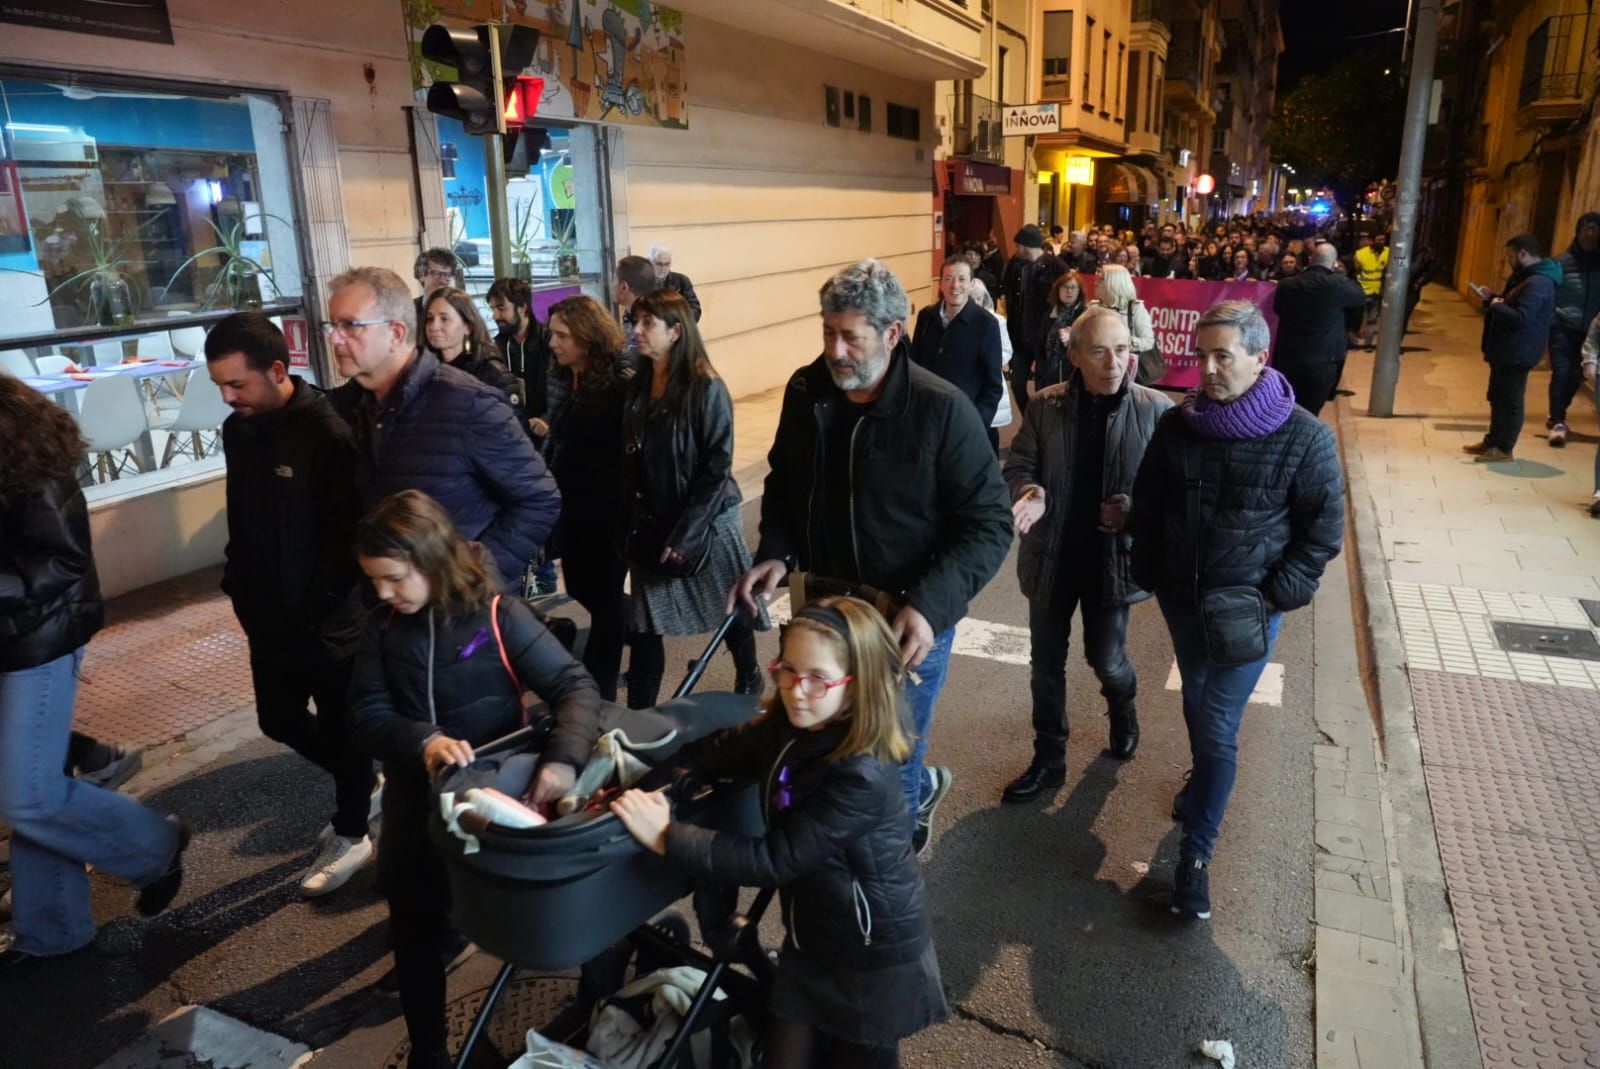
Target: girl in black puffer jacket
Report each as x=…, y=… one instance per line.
x=858, y=971
x=440, y=670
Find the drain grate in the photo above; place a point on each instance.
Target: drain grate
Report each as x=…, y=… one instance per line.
x=1574, y=642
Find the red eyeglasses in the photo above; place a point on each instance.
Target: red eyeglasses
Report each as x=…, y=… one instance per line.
x=812, y=687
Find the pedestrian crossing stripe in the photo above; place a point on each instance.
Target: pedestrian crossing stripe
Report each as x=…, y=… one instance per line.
x=1269, y=688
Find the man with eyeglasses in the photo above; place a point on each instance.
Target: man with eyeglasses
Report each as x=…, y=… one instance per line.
x=434, y=269
x=423, y=425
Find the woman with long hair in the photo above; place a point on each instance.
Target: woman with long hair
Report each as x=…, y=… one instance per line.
x=682, y=536
x=441, y=670
x=1066, y=305
x=456, y=334
x=584, y=452
x=1240, y=268
x=1115, y=291
x=49, y=608
x=858, y=971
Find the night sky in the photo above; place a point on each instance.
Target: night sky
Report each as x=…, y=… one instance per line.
x=1318, y=35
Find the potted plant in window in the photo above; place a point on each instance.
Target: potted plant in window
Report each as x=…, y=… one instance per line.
x=105, y=283
x=525, y=227
x=566, y=235
x=238, y=280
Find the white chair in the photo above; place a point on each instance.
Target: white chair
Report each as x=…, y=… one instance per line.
x=54, y=364
x=15, y=362
x=187, y=342
x=199, y=417
x=112, y=421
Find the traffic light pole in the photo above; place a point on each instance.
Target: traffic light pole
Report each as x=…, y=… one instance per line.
x=1391, y=323
x=494, y=169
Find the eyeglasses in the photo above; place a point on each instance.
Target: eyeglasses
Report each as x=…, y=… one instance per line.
x=443, y=273
x=351, y=327
x=812, y=687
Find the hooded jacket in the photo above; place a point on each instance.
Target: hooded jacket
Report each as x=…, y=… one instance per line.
x=1516, y=327
x=1578, y=291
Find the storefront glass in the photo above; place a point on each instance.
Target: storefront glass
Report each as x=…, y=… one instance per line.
x=131, y=218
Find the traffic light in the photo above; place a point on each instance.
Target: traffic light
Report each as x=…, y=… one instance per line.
x=477, y=100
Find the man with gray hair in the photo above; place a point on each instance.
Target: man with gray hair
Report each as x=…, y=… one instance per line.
x=424, y=425
x=881, y=475
x=1237, y=509
x=1312, y=342
x=1070, y=473
x=668, y=279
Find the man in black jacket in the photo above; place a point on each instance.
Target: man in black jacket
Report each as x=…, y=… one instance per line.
x=960, y=342
x=1516, y=326
x=1032, y=312
x=1070, y=474
x=1237, y=510
x=291, y=571
x=668, y=279
x=1577, y=303
x=524, y=345
x=1312, y=341
x=423, y=425
x=881, y=474
x=1167, y=261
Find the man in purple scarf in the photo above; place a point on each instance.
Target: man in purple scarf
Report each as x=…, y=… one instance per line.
x=1237, y=509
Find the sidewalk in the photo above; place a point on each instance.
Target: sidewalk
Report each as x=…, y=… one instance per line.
x=1499, y=741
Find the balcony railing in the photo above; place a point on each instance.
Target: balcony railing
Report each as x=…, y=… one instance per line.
x=976, y=124
x=1552, y=70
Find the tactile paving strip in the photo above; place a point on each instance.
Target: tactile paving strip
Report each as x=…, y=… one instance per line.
x=1514, y=828
x=171, y=660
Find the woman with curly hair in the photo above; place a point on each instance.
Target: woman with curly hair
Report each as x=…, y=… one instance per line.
x=585, y=456
x=49, y=608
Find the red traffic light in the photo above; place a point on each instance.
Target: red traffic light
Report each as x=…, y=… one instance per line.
x=522, y=100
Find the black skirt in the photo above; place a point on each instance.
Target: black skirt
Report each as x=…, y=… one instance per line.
x=873, y=1007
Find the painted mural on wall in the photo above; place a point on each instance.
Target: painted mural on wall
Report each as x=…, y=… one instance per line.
x=619, y=61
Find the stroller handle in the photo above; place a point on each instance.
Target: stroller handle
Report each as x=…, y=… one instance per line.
x=698, y=666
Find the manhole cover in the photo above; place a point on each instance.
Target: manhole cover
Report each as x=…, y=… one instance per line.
x=528, y=1002
x=1576, y=642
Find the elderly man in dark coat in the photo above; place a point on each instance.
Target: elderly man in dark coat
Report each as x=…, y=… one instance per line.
x=1312, y=342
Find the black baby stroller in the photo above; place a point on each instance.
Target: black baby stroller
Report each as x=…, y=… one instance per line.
x=560, y=895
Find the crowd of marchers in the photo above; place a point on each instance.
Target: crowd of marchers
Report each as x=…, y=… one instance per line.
x=388, y=540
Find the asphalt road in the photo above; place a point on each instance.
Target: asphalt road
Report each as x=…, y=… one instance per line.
x=1050, y=919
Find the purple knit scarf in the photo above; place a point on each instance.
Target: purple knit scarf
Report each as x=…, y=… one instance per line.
x=1256, y=413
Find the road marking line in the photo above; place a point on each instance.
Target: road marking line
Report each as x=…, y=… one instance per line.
x=1269, y=688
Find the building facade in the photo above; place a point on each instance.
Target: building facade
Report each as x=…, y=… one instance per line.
x=1247, y=81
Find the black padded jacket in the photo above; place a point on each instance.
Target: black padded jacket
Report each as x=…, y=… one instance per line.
x=422, y=674
x=1264, y=512
x=49, y=591
x=839, y=852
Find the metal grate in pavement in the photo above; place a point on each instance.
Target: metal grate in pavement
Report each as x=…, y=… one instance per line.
x=1511, y=772
x=528, y=1002
x=1547, y=640
x=1447, y=629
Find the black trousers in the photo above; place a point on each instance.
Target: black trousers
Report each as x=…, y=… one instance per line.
x=1508, y=390
x=412, y=878
x=648, y=662
x=594, y=573
x=1105, y=642
x=1312, y=383
x=282, y=691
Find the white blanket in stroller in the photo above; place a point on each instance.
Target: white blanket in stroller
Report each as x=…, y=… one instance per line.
x=620, y=1040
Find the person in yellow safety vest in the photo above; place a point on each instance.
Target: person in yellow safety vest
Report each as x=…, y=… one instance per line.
x=1372, y=260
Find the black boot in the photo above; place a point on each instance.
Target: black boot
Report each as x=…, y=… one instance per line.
x=1035, y=781
x=1124, y=733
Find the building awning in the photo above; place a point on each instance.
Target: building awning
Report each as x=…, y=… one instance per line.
x=1128, y=183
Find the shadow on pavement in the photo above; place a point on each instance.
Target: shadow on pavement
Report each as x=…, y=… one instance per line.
x=1115, y=979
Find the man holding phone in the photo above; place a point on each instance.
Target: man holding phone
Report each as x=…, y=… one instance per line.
x=1516, y=325
x=1070, y=473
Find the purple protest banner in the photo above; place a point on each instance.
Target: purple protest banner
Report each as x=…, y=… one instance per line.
x=1175, y=306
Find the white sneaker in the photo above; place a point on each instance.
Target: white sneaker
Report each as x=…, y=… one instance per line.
x=374, y=809
x=339, y=860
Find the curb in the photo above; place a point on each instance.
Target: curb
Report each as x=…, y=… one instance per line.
x=1431, y=958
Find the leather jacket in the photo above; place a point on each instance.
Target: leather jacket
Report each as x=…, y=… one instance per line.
x=679, y=470
x=49, y=591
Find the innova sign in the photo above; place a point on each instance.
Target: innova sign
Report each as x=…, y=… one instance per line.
x=1032, y=119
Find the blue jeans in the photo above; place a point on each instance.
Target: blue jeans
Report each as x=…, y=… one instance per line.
x=1213, y=706
x=921, y=697
x=59, y=824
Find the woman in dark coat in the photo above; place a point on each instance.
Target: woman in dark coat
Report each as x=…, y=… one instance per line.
x=682, y=536
x=457, y=336
x=1066, y=305
x=49, y=608
x=585, y=456
x=441, y=670
x=858, y=971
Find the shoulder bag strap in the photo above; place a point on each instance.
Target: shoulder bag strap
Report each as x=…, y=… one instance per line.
x=500, y=643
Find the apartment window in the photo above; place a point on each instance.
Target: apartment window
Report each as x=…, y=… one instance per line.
x=1121, y=56
x=864, y=114
x=1135, y=90
x=1057, y=55
x=1000, y=76
x=1219, y=140
x=830, y=103
x=1088, y=52
x=1105, y=68
x=849, y=104
x=904, y=122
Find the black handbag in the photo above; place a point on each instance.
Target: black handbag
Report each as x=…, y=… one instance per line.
x=1233, y=619
x=647, y=537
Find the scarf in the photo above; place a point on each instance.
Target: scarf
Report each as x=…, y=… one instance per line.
x=1256, y=413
